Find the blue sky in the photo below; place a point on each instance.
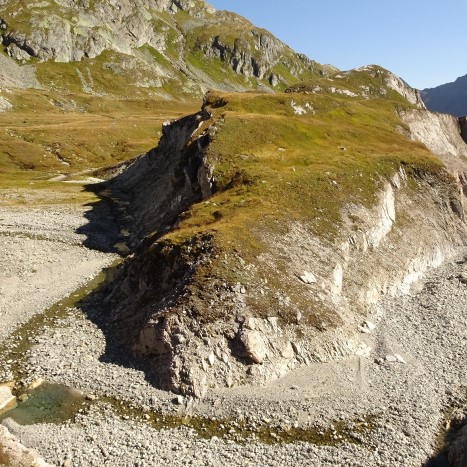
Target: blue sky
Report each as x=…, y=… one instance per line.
x=421, y=41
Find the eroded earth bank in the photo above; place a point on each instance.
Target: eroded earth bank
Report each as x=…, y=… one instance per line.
x=388, y=407
x=130, y=369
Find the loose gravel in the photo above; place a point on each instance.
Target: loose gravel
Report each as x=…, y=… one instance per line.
x=394, y=401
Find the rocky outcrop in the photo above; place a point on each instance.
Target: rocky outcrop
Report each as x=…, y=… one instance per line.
x=442, y=135
x=374, y=81
x=201, y=328
x=463, y=127
x=175, y=177
x=182, y=43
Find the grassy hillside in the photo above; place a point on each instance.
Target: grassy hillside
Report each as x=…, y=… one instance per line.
x=278, y=161
x=135, y=48
x=49, y=133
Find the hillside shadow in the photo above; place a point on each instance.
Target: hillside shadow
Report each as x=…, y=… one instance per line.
x=102, y=232
x=98, y=311
x=102, y=229
x=439, y=460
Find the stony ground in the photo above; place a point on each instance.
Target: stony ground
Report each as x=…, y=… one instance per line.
x=386, y=409
x=42, y=259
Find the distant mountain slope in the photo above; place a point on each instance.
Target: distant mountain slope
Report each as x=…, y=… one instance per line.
x=164, y=47
x=448, y=98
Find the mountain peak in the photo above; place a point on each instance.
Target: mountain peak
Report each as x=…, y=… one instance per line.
x=448, y=98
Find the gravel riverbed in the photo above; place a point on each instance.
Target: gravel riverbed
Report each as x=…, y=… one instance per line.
x=386, y=409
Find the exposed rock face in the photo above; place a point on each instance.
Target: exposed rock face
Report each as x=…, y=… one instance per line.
x=12, y=452
x=185, y=43
x=442, y=135
x=197, y=328
x=448, y=98
x=463, y=127
x=176, y=178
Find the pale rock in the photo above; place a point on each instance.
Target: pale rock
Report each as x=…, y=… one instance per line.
x=387, y=218
x=211, y=358
x=18, y=54
x=7, y=399
x=16, y=454
x=367, y=327
x=399, y=358
x=5, y=104
x=254, y=344
x=337, y=279
x=36, y=383
x=307, y=277
x=287, y=351
x=178, y=400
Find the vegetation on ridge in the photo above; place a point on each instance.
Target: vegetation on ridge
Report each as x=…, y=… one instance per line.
x=282, y=160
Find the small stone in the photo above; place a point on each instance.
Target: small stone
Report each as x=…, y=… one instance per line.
x=367, y=327
x=307, y=277
x=23, y=397
x=178, y=400
x=90, y=397
x=399, y=358
x=391, y=358
x=211, y=358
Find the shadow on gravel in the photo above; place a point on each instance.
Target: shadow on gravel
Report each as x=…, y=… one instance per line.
x=102, y=230
x=98, y=311
x=454, y=444
x=103, y=233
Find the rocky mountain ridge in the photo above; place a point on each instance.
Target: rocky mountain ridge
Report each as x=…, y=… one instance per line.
x=171, y=48
x=448, y=98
